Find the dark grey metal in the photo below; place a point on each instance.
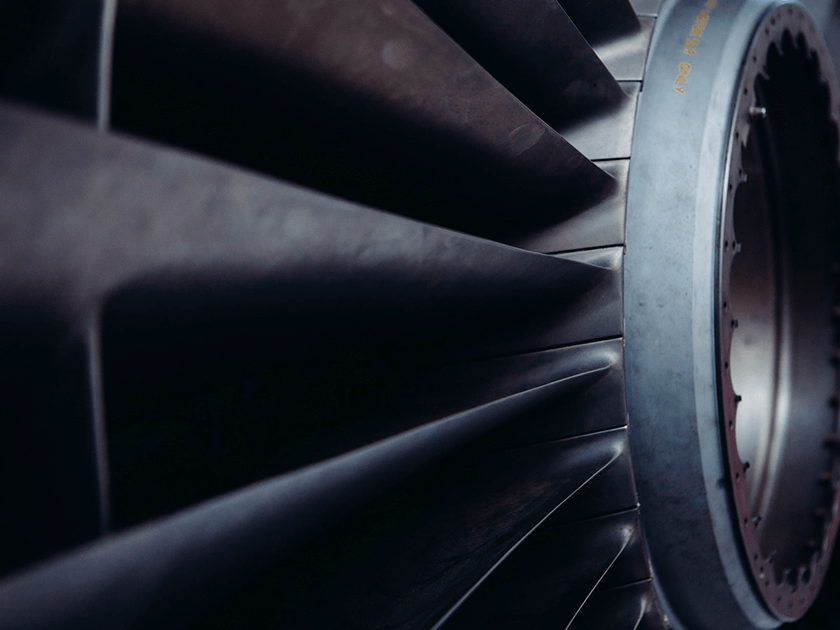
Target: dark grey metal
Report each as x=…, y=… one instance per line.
x=550, y=577
x=599, y=226
x=630, y=607
x=337, y=113
x=535, y=50
x=778, y=288
x=607, y=137
x=603, y=21
x=179, y=270
x=179, y=566
x=427, y=416
x=676, y=175
x=57, y=55
x=688, y=485
x=625, y=57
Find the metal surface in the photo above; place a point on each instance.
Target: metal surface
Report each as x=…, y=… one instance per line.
x=51, y=54
x=778, y=287
x=599, y=226
x=646, y=7
x=286, y=408
x=178, y=566
x=679, y=406
x=548, y=582
x=596, y=28
x=183, y=267
x=625, y=57
x=608, y=137
x=480, y=161
x=536, y=51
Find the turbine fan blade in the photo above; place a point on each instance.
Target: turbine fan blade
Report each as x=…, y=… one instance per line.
x=339, y=112
x=604, y=21
x=535, y=50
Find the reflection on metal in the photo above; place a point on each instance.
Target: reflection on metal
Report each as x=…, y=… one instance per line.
x=625, y=58
x=777, y=292
x=607, y=138
x=234, y=401
x=602, y=225
x=730, y=244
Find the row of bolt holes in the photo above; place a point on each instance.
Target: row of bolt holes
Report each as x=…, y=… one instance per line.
x=806, y=574
x=734, y=324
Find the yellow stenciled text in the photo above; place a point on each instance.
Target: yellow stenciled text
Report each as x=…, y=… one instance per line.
x=682, y=78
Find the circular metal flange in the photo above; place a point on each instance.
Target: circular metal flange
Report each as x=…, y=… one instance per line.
x=778, y=256
x=685, y=360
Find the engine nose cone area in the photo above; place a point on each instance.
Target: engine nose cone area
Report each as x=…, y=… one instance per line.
x=731, y=286
x=776, y=331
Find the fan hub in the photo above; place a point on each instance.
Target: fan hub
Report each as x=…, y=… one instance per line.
x=730, y=285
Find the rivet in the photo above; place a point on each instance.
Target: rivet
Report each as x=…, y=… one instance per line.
x=758, y=112
x=737, y=398
x=756, y=519
x=734, y=323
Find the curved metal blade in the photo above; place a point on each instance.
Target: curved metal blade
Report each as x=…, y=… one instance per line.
x=57, y=55
x=185, y=269
x=549, y=580
x=603, y=21
x=535, y=50
x=178, y=566
x=368, y=101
